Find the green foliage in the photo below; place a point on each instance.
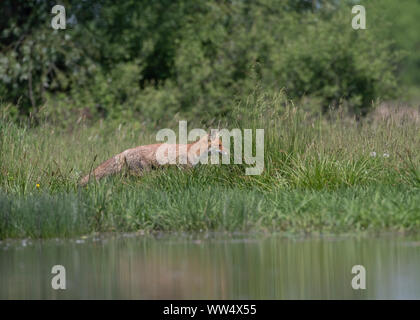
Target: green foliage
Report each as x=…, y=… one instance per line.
x=338, y=65
x=157, y=59
x=34, y=58
x=401, y=22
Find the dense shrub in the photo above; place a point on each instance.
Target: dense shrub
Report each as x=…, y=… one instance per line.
x=156, y=59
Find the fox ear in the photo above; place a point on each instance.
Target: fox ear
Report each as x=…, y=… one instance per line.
x=213, y=134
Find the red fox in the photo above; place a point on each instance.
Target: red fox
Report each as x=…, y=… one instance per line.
x=151, y=156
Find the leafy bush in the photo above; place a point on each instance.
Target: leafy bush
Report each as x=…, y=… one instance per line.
x=156, y=59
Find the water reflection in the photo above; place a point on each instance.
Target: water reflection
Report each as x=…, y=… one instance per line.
x=211, y=267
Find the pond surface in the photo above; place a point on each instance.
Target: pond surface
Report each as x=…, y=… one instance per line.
x=211, y=266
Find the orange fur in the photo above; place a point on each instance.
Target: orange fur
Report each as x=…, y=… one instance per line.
x=144, y=157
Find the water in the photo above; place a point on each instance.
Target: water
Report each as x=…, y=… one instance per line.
x=211, y=266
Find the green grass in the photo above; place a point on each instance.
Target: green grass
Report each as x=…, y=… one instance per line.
x=319, y=177
x=115, y=208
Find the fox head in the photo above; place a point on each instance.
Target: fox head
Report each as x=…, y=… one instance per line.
x=213, y=143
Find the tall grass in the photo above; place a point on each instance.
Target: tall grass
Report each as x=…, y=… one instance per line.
x=321, y=173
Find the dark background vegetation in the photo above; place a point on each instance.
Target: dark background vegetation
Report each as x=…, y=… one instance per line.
x=154, y=60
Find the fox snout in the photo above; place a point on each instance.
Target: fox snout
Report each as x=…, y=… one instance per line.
x=223, y=152
x=219, y=150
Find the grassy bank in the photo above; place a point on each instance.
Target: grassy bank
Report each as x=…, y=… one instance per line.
x=199, y=208
x=322, y=173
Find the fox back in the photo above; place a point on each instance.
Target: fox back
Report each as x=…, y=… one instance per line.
x=152, y=156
